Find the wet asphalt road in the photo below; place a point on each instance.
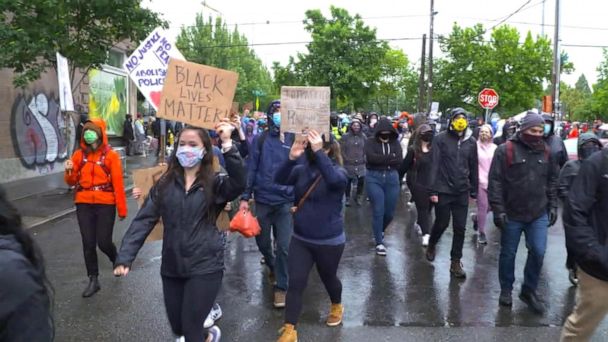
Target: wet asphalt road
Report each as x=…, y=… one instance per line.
x=400, y=297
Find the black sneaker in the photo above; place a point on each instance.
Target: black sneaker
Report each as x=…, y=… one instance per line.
x=532, y=301
x=505, y=299
x=430, y=253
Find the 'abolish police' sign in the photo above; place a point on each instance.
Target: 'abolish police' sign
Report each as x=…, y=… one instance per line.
x=147, y=66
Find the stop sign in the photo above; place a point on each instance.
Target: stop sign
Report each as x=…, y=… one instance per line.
x=488, y=98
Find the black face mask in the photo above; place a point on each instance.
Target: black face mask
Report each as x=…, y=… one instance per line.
x=384, y=136
x=531, y=139
x=426, y=137
x=587, y=151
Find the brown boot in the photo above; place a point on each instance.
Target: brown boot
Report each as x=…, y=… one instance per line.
x=335, y=315
x=456, y=270
x=288, y=333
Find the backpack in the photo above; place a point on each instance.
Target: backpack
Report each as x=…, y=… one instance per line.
x=102, y=163
x=511, y=152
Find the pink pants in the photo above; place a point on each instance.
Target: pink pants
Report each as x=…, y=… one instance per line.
x=483, y=208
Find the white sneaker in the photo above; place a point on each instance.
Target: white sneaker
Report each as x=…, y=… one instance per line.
x=425, y=240
x=214, y=315
x=381, y=250
x=180, y=339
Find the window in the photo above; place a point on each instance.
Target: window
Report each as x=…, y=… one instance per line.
x=115, y=59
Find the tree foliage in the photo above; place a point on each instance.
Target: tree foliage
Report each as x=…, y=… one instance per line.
x=470, y=63
x=600, y=89
x=211, y=43
x=83, y=31
x=398, y=83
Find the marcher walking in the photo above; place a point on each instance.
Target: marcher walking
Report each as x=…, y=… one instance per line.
x=454, y=179
x=188, y=198
x=127, y=134
x=588, y=144
x=353, y=153
x=383, y=156
x=96, y=172
x=556, y=144
x=485, y=154
x=318, y=237
x=523, y=195
x=586, y=231
x=272, y=201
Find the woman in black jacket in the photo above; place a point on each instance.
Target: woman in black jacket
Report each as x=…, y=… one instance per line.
x=417, y=165
x=25, y=292
x=384, y=156
x=188, y=198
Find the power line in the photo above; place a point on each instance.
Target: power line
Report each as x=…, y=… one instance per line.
x=512, y=14
x=296, y=43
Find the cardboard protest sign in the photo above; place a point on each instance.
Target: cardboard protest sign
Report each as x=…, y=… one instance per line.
x=235, y=108
x=305, y=108
x=147, y=65
x=144, y=179
x=197, y=94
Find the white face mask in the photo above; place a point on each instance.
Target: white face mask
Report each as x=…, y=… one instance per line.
x=189, y=156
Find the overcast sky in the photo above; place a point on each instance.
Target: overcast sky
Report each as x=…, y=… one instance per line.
x=280, y=21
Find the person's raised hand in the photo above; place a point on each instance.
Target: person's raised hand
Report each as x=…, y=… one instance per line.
x=297, y=149
x=224, y=131
x=315, y=140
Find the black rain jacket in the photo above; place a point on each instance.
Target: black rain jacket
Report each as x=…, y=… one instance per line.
x=192, y=243
x=383, y=156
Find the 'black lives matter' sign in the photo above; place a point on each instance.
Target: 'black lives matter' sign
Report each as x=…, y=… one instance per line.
x=197, y=94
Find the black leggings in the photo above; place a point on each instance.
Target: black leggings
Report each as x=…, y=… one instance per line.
x=360, y=185
x=457, y=207
x=302, y=255
x=96, y=223
x=422, y=199
x=188, y=302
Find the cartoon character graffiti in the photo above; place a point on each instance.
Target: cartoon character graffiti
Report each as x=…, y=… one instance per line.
x=39, y=131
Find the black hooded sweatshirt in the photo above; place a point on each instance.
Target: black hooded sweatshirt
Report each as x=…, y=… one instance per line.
x=383, y=156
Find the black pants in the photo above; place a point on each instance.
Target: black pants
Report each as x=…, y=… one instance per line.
x=421, y=197
x=457, y=206
x=96, y=223
x=302, y=255
x=188, y=301
x=360, y=184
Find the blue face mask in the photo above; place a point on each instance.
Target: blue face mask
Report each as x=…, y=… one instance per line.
x=189, y=156
x=547, y=129
x=276, y=119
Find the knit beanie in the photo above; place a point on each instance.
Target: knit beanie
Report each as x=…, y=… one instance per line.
x=531, y=119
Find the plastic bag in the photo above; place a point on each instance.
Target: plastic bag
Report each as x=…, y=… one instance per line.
x=245, y=223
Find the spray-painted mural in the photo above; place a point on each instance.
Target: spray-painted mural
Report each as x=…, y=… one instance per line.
x=39, y=131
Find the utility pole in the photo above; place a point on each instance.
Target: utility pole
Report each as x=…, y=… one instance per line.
x=421, y=88
x=542, y=29
x=430, y=83
x=556, y=65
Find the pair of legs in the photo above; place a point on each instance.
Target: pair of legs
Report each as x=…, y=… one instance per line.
x=536, y=242
x=188, y=302
x=457, y=207
x=421, y=198
x=483, y=207
x=383, y=191
x=280, y=218
x=96, y=223
x=360, y=185
x=590, y=309
x=302, y=256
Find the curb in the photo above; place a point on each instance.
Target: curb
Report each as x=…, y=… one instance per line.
x=61, y=214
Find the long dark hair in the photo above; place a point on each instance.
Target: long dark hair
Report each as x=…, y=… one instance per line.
x=10, y=224
x=334, y=154
x=418, y=138
x=205, y=175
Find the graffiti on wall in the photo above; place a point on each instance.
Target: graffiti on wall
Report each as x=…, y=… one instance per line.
x=39, y=131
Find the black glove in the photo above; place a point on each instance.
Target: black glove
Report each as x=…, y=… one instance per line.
x=500, y=220
x=552, y=216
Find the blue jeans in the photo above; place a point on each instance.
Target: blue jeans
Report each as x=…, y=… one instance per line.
x=383, y=191
x=280, y=218
x=536, y=242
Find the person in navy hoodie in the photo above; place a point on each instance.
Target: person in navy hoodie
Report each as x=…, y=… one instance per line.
x=272, y=201
x=318, y=236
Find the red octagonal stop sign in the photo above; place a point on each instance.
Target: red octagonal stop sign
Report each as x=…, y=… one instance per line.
x=488, y=98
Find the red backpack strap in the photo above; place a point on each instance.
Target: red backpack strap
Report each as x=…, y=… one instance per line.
x=510, y=153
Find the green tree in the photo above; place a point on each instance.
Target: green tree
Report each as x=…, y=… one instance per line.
x=285, y=75
x=344, y=54
x=211, y=43
x=398, y=83
x=83, y=31
x=600, y=89
x=516, y=71
x=582, y=85
x=576, y=101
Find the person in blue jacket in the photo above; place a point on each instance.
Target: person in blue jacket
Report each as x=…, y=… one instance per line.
x=318, y=236
x=272, y=201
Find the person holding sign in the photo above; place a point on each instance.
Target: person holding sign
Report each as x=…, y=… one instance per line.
x=318, y=239
x=96, y=173
x=272, y=201
x=188, y=197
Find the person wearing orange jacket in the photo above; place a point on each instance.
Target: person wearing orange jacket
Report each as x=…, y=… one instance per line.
x=96, y=173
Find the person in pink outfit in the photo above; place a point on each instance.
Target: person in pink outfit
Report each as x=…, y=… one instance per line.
x=485, y=153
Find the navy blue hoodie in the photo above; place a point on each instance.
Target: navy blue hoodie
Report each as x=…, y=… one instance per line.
x=320, y=217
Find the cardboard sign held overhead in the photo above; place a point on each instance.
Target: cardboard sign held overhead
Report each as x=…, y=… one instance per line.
x=235, y=108
x=197, y=94
x=305, y=108
x=144, y=179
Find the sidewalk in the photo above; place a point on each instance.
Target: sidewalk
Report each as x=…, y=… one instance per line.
x=46, y=198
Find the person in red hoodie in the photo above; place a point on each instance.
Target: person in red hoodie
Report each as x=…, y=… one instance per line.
x=96, y=173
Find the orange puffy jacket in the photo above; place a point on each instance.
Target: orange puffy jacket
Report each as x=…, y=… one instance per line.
x=89, y=174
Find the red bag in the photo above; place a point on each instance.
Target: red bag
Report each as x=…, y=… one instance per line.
x=244, y=223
